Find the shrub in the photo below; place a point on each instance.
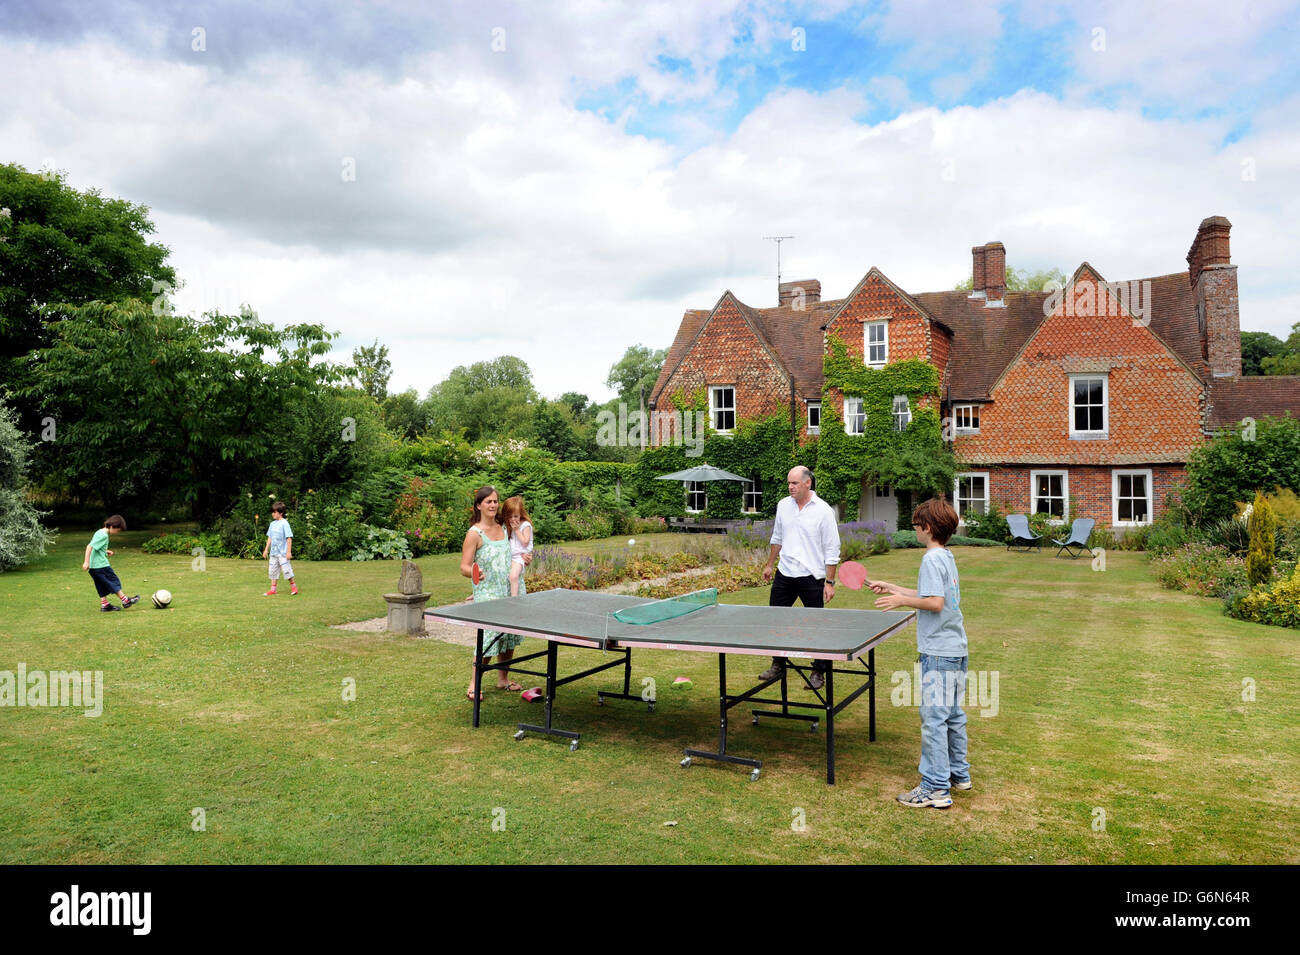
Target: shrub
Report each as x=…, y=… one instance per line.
x=1227, y=532
x=22, y=538
x=991, y=525
x=170, y=544
x=1201, y=568
x=380, y=543
x=860, y=539
x=1278, y=605
x=1259, y=559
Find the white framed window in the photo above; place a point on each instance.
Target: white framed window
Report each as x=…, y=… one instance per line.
x=753, y=491
x=884, y=490
x=722, y=408
x=1130, y=498
x=966, y=419
x=970, y=492
x=902, y=413
x=696, y=498
x=1089, y=414
x=1049, y=493
x=814, y=417
x=875, y=343
x=855, y=418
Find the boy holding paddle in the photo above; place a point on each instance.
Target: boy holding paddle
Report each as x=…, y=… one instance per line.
x=941, y=642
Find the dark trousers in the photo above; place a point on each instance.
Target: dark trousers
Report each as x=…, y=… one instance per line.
x=809, y=590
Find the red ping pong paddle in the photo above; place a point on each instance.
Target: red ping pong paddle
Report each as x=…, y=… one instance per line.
x=476, y=575
x=852, y=574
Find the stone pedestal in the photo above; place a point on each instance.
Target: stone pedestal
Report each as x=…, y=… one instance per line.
x=406, y=612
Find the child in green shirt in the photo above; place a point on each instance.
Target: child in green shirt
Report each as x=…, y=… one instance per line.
x=97, y=555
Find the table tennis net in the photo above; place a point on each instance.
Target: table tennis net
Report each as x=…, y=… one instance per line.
x=661, y=610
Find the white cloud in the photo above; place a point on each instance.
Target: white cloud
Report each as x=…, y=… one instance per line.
x=490, y=216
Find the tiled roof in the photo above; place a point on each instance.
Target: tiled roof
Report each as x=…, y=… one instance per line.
x=796, y=337
x=1256, y=396
x=691, y=324
x=984, y=340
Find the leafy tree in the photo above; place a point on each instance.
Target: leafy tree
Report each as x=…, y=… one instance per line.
x=1288, y=361
x=372, y=369
x=487, y=399
x=634, y=375
x=146, y=401
x=554, y=428
x=579, y=404
x=60, y=245
x=22, y=538
x=1235, y=464
x=404, y=414
x=1255, y=348
x=1020, y=281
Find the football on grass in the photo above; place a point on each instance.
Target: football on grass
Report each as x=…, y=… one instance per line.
x=162, y=599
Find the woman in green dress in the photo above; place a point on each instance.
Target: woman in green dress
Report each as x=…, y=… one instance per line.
x=488, y=545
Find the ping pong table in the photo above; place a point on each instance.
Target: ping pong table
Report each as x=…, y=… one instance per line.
x=616, y=623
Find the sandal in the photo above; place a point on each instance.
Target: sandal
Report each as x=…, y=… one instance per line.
x=469, y=695
x=512, y=686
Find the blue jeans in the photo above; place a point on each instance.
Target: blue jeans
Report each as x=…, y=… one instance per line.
x=943, y=722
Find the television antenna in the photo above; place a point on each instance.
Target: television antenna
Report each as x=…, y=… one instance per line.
x=778, y=239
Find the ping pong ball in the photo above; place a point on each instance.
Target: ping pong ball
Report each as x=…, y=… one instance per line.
x=631, y=542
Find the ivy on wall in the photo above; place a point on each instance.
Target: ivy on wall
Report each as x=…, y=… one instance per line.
x=759, y=447
x=916, y=460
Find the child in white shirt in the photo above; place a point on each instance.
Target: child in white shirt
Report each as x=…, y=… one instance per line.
x=515, y=517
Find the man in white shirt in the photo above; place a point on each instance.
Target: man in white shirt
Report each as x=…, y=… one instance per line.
x=806, y=537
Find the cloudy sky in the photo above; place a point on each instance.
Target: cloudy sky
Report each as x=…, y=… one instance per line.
x=561, y=180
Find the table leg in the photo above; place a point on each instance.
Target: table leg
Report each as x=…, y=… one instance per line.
x=478, y=675
x=871, y=694
x=830, y=725
x=724, y=704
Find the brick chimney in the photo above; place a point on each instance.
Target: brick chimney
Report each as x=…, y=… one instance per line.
x=995, y=273
x=799, y=294
x=977, y=272
x=1214, y=283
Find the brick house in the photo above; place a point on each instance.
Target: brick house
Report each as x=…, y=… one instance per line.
x=1080, y=402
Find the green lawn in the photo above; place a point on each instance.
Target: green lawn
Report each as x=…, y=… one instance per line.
x=1114, y=695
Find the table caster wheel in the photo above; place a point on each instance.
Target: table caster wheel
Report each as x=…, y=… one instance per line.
x=685, y=762
x=600, y=700
x=812, y=727
x=651, y=706
x=754, y=719
x=753, y=777
x=519, y=735
x=573, y=745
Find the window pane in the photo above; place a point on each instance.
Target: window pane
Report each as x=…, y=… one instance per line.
x=1139, y=508
x=1125, y=485
x=1139, y=485
x=1094, y=419
x=1125, y=509
x=1094, y=391
x=1080, y=391
x=1080, y=419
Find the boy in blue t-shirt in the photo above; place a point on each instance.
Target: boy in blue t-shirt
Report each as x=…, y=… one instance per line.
x=279, y=545
x=941, y=642
x=101, y=572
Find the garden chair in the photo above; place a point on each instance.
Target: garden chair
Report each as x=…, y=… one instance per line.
x=1021, y=535
x=1077, y=542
